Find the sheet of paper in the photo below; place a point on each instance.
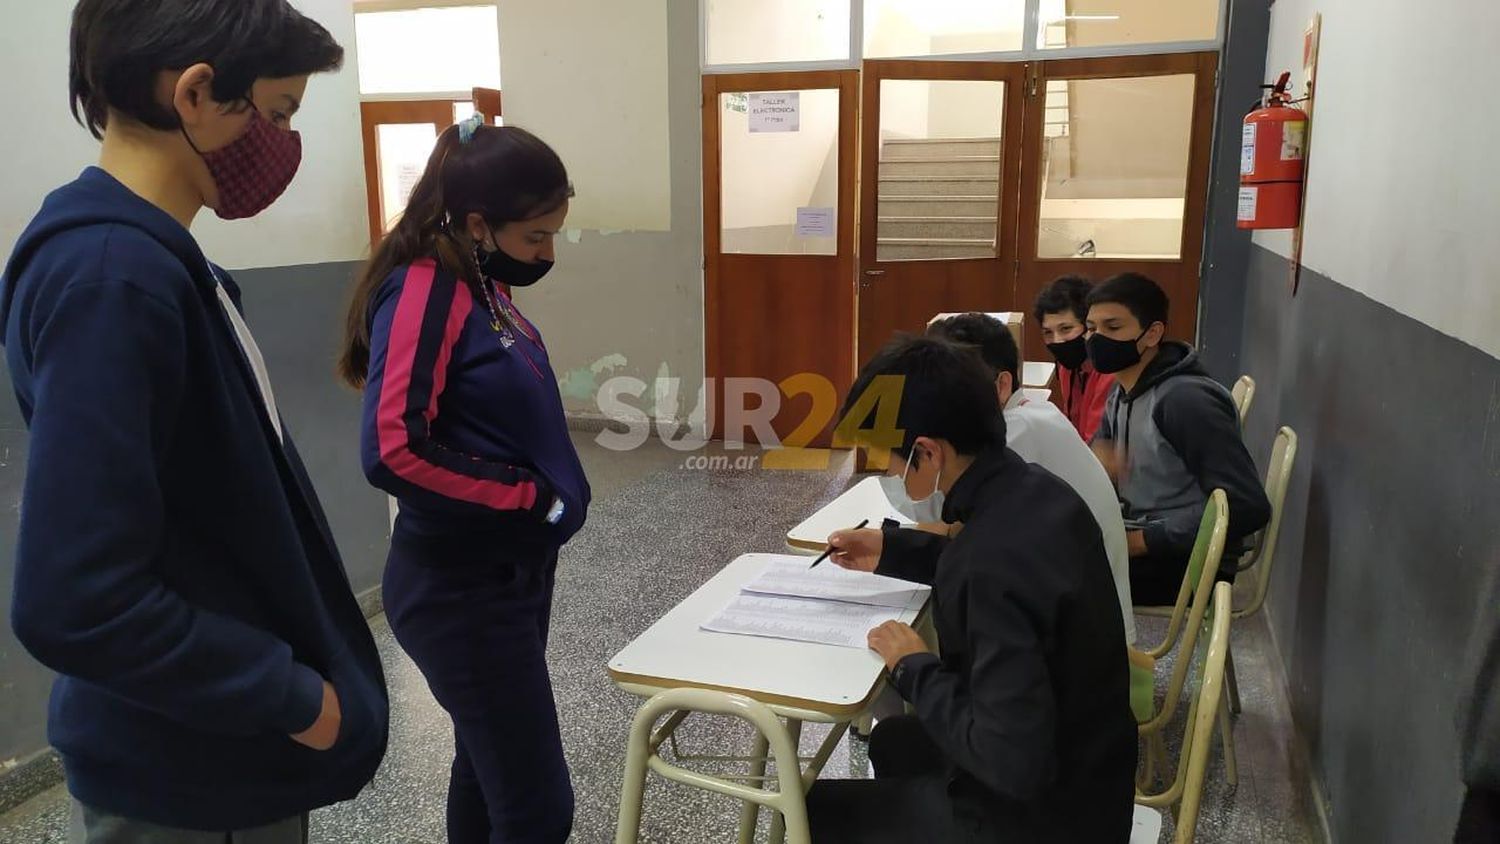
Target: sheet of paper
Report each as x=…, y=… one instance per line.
x=815, y=222
x=790, y=576
x=800, y=619
x=775, y=112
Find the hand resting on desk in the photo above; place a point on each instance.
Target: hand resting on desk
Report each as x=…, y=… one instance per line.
x=895, y=641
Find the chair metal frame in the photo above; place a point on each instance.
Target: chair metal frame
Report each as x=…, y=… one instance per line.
x=774, y=743
x=1182, y=633
x=1185, y=792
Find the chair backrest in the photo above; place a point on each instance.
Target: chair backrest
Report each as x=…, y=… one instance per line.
x=1202, y=568
x=1278, y=477
x=1244, y=396
x=1203, y=718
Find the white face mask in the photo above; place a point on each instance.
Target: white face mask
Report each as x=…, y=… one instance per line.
x=926, y=511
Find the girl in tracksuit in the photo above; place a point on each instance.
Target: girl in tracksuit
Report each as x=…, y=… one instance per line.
x=464, y=425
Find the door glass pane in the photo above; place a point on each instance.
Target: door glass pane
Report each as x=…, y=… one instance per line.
x=749, y=31
x=942, y=27
x=779, y=182
x=1100, y=23
x=1114, y=170
x=402, y=150
x=438, y=50
x=940, y=145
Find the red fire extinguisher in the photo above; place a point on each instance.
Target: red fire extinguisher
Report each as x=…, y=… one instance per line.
x=1274, y=145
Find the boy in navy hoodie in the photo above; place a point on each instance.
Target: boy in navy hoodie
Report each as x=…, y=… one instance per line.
x=174, y=566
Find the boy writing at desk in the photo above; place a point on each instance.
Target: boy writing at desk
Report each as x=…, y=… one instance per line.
x=1023, y=729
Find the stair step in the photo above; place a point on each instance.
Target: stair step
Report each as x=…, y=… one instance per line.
x=937, y=228
x=920, y=148
x=938, y=206
x=917, y=249
x=940, y=185
x=952, y=165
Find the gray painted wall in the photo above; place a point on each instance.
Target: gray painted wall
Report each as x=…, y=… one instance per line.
x=23, y=683
x=1389, y=535
x=297, y=316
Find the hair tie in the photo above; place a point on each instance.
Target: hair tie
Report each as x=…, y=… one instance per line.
x=468, y=126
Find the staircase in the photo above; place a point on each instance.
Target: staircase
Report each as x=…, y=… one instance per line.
x=938, y=199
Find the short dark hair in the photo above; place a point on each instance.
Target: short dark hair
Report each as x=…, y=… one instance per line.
x=988, y=336
x=1143, y=297
x=946, y=394
x=1063, y=294
x=119, y=47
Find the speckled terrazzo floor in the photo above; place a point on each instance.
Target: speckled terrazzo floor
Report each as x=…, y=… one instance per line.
x=628, y=566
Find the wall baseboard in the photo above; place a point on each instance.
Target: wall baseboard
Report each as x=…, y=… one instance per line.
x=1299, y=742
x=28, y=778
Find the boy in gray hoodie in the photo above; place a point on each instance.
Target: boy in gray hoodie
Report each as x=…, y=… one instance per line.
x=1170, y=436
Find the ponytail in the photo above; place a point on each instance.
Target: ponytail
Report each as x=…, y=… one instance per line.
x=422, y=232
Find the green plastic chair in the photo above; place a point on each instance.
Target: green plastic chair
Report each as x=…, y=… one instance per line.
x=1194, y=598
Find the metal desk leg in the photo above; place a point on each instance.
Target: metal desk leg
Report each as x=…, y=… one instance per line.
x=750, y=814
x=778, y=822
x=643, y=743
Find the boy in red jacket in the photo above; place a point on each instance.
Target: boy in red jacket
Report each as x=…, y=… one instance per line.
x=1060, y=310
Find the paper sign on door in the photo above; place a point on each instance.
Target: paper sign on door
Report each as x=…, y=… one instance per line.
x=815, y=222
x=776, y=112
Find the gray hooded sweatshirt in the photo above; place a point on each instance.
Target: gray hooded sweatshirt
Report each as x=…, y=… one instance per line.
x=1177, y=438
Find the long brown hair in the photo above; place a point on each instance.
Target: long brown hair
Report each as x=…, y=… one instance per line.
x=504, y=173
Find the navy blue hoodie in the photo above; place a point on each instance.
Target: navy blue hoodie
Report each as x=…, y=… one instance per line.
x=173, y=565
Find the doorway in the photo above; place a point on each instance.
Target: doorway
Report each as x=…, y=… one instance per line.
x=938, y=192
x=780, y=160
x=419, y=63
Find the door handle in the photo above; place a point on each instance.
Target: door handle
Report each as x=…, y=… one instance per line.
x=874, y=272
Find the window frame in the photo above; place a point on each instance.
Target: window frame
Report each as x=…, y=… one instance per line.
x=1028, y=52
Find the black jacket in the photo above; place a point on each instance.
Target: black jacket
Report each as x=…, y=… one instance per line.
x=1030, y=700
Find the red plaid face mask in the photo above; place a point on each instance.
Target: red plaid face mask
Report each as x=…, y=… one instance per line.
x=255, y=169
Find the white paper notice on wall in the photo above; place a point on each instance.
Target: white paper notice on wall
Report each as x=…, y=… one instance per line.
x=1246, y=207
x=815, y=222
x=776, y=112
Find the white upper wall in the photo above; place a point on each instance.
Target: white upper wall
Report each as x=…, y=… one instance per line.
x=590, y=78
x=322, y=217
x=1404, y=178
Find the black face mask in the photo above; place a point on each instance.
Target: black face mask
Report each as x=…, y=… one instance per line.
x=1070, y=353
x=1110, y=356
x=501, y=267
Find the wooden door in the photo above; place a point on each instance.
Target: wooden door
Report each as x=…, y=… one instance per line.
x=396, y=133
x=487, y=101
x=941, y=151
x=1115, y=176
x=779, y=220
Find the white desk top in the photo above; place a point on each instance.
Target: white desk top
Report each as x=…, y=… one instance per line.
x=1035, y=373
x=674, y=653
x=864, y=500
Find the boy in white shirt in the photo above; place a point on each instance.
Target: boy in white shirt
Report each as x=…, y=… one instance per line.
x=1041, y=434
